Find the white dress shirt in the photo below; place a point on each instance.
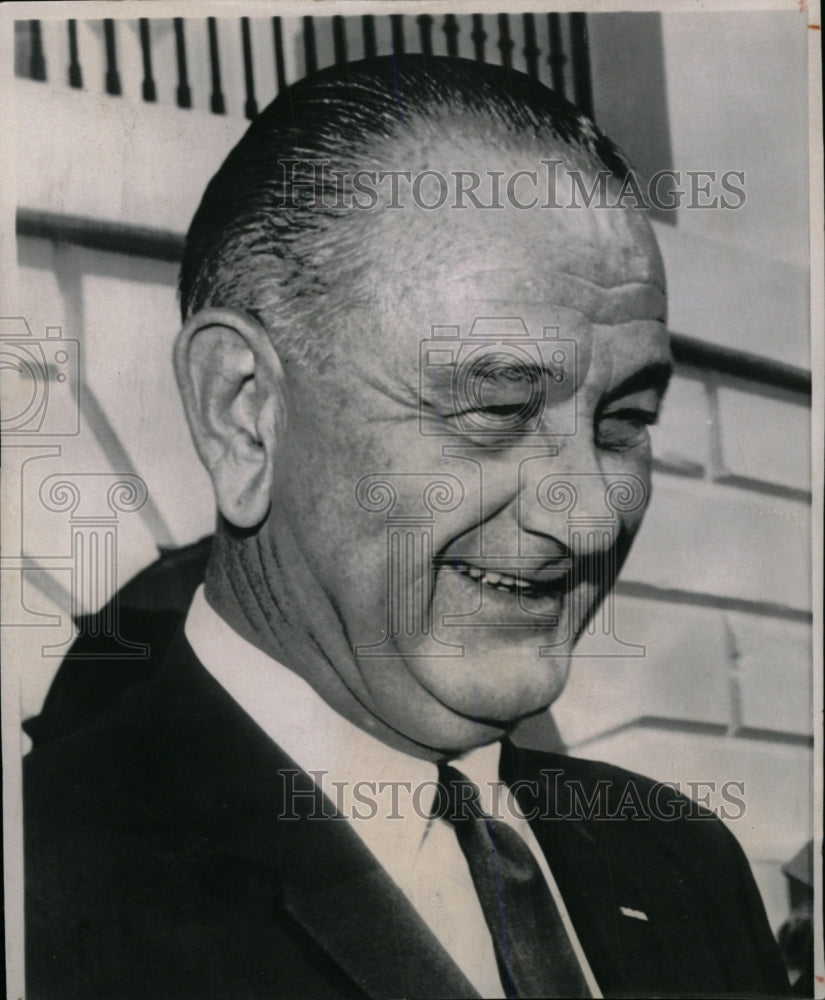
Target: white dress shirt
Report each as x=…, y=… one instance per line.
x=385, y=794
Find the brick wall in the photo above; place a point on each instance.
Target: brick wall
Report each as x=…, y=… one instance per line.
x=718, y=585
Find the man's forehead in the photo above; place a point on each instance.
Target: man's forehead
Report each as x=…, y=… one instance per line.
x=498, y=289
x=576, y=275
x=573, y=268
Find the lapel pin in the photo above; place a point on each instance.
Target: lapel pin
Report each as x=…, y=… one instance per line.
x=633, y=914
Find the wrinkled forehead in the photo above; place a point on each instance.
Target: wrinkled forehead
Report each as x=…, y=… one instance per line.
x=575, y=267
x=528, y=208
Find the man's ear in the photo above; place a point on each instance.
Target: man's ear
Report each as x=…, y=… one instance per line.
x=233, y=389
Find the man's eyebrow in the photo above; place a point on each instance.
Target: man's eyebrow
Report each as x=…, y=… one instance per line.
x=655, y=375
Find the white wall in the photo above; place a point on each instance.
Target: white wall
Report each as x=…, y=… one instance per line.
x=737, y=99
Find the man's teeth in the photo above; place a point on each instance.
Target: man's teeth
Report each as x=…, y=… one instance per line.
x=500, y=581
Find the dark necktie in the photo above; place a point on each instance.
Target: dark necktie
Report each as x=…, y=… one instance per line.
x=534, y=953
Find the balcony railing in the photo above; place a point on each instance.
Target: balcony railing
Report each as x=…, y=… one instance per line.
x=236, y=66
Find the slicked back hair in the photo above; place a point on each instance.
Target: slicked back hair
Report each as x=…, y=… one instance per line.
x=271, y=236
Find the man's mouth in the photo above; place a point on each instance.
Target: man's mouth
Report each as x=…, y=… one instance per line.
x=529, y=584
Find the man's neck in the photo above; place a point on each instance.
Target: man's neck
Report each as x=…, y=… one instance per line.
x=290, y=620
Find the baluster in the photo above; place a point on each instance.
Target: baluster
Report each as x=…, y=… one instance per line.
x=368, y=27
x=278, y=43
x=425, y=29
x=216, y=100
x=556, y=59
x=451, y=30
x=148, y=86
x=310, y=56
x=531, y=49
x=505, y=42
x=37, y=61
x=112, y=74
x=397, y=22
x=339, y=40
x=250, y=105
x=183, y=93
x=581, y=63
x=479, y=36
x=75, y=72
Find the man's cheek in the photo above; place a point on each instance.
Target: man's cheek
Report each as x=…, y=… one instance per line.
x=629, y=530
x=362, y=599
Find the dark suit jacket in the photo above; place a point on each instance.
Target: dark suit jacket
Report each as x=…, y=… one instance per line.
x=159, y=864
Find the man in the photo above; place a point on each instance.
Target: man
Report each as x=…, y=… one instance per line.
x=399, y=398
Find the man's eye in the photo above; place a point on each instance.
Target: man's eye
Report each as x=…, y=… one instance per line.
x=504, y=410
x=507, y=399
x=624, y=429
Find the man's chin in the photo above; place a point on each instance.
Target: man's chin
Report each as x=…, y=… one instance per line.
x=497, y=684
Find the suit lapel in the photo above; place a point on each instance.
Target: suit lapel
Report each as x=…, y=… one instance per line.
x=260, y=817
x=623, y=896
x=595, y=882
x=367, y=926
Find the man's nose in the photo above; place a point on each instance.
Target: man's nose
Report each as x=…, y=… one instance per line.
x=568, y=500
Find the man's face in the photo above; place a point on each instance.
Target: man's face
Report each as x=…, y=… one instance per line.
x=465, y=496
